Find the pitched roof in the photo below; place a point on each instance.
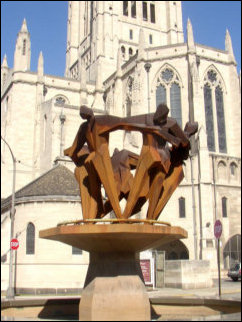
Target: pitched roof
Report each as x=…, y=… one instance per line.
x=58, y=181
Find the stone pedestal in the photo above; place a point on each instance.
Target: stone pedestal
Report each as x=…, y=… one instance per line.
x=114, y=289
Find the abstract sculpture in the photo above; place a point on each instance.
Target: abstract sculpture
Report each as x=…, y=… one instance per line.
x=114, y=288
x=158, y=167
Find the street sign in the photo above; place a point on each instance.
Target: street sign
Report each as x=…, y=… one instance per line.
x=14, y=244
x=217, y=229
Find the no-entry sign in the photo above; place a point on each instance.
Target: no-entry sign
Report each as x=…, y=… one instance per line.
x=14, y=244
x=217, y=229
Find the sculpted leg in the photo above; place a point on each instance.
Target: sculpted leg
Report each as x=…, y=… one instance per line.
x=169, y=185
x=103, y=166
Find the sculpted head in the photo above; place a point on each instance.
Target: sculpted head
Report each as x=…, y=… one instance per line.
x=160, y=115
x=85, y=112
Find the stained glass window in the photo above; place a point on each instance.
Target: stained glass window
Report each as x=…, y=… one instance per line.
x=30, y=239
x=160, y=95
x=209, y=117
x=220, y=120
x=175, y=96
x=167, y=75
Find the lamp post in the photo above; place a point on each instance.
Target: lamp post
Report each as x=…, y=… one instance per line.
x=10, y=291
x=147, y=67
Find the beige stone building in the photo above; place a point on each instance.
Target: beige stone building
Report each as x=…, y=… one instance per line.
x=121, y=59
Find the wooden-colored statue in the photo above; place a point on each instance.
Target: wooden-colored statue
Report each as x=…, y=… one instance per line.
x=158, y=167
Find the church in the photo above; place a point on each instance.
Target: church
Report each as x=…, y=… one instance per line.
x=121, y=59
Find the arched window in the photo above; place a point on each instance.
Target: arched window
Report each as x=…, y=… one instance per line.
x=168, y=91
x=30, y=239
x=133, y=9
x=222, y=171
x=182, y=208
x=123, y=52
x=130, y=52
x=233, y=170
x=214, y=95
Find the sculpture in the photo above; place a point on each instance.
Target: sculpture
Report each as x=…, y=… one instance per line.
x=158, y=167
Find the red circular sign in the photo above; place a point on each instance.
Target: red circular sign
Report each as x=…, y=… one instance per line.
x=14, y=244
x=217, y=229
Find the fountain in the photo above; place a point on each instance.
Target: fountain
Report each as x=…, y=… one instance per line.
x=114, y=288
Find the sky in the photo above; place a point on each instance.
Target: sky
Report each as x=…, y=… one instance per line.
x=47, y=24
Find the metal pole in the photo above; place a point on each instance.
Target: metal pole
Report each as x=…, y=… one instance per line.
x=194, y=211
x=10, y=291
x=219, y=275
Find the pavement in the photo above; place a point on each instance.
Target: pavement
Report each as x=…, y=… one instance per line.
x=229, y=291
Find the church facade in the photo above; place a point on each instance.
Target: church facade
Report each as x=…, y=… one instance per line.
x=122, y=59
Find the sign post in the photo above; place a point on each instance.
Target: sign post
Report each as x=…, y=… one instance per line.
x=217, y=234
x=14, y=244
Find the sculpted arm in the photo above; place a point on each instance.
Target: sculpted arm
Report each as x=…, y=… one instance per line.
x=78, y=143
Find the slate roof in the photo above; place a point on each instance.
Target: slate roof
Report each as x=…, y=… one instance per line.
x=59, y=181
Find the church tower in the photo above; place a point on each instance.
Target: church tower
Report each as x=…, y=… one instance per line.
x=22, y=53
x=110, y=25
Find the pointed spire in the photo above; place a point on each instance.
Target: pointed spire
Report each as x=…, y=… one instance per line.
x=41, y=65
x=142, y=45
x=4, y=63
x=24, y=27
x=228, y=45
x=119, y=63
x=190, y=38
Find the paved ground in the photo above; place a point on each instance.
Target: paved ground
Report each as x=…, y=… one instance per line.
x=229, y=291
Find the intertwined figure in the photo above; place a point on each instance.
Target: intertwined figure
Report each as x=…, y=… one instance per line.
x=158, y=167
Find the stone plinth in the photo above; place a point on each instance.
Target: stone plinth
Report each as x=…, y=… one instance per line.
x=188, y=274
x=114, y=287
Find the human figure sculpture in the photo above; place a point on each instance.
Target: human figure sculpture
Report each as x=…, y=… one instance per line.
x=158, y=168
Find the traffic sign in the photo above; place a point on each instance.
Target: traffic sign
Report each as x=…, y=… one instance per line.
x=217, y=229
x=14, y=244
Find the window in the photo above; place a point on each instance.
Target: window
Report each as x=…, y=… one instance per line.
x=220, y=120
x=233, y=169
x=133, y=9
x=182, y=212
x=209, y=117
x=224, y=207
x=30, y=239
x=160, y=95
x=76, y=251
x=152, y=12
x=175, y=103
x=60, y=101
x=24, y=47
x=214, y=111
x=168, y=91
x=151, y=39
x=130, y=34
x=130, y=52
x=123, y=52
x=125, y=8
x=145, y=14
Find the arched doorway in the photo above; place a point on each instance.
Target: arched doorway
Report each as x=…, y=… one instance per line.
x=232, y=251
x=175, y=250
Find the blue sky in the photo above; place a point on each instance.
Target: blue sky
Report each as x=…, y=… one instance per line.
x=47, y=22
